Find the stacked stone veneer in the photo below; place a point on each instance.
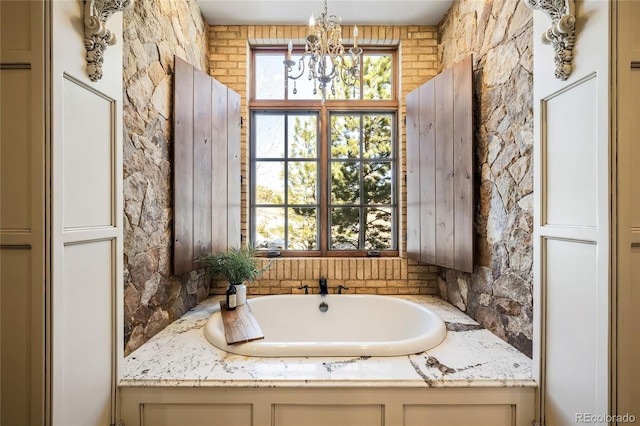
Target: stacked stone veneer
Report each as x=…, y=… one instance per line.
x=154, y=31
x=229, y=55
x=499, y=292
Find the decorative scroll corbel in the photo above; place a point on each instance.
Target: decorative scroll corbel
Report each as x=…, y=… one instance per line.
x=96, y=34
x=562, y=34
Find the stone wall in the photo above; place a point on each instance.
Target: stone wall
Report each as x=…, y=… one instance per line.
x=499, y=292
x=154, y=31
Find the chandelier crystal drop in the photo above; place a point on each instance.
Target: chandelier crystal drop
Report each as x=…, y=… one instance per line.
x=325, y=56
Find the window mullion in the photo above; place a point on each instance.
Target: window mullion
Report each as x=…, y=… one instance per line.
x=324, y=175
x=286, y=181
x=362, y=200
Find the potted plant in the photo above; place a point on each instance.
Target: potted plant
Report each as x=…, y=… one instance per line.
x=237, y=266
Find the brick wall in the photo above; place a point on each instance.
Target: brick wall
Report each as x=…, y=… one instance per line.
x=229, y=53
x=360, y=275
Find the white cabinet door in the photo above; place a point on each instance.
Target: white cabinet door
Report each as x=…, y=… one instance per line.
x=22, y=213
x=572, y=220
x=86, y=223
x=628, y=224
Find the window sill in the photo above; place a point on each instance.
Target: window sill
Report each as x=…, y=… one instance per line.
x=331, y=255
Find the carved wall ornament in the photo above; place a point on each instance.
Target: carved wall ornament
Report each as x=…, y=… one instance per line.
x=96, y=35
x=562, y=34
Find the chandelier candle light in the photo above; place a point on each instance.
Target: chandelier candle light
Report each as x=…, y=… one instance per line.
x=325, y=56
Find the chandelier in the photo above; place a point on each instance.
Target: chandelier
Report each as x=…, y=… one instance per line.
x=325, y=56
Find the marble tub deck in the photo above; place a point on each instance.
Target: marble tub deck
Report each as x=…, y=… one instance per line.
x=470, y=356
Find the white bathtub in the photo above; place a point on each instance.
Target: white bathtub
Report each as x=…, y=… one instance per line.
x=353, y=325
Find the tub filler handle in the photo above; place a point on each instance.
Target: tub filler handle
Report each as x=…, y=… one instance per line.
x=342, y=287
x=323, y=307
x=305, y=287
x=322, y=284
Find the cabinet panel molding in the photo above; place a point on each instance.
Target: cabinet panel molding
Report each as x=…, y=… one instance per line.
x=330, y=405
x=196, y=414
x=330, y=414
x=447, y=415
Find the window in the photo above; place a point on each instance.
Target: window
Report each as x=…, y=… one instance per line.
x=286, y=190
x=323, y=177
x=361, y=213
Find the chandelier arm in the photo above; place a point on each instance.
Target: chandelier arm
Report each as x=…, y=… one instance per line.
x=336, y=66
x=289, y=64
x=347, y=77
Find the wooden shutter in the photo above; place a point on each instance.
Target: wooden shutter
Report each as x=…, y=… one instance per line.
x=440, y=207
x=203, y=166
x=428, y=172
x=220, y=172
x=413, y=175
x=183, y=167
x=463, y=164
x=234, y=180
x=445, y=206
x=206, y=184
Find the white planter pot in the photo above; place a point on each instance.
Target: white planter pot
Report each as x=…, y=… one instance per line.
x=241, y=295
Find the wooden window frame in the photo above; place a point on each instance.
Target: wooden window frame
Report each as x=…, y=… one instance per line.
x=323, y=110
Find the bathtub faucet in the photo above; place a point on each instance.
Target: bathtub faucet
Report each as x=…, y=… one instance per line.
x=323, y=286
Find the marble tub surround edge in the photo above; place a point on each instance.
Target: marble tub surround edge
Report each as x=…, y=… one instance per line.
x=470, y=356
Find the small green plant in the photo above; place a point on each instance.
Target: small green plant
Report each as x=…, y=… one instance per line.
x=236, y=265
